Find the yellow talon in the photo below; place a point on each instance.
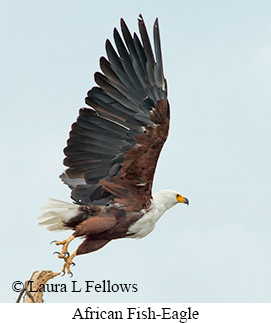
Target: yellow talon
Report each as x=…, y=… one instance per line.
x=65, y=254
x=65, y=244
x=68, y=263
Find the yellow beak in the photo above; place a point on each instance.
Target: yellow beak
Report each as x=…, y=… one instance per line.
x=183, y=199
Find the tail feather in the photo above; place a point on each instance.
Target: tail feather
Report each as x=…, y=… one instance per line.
x=56, y=214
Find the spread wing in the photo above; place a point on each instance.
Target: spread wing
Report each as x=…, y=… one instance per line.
x=114, y=146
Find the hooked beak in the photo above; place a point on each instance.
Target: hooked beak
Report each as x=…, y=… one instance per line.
x=186, y=201
x=182, y=199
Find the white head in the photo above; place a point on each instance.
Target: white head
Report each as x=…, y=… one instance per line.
x=169, y=198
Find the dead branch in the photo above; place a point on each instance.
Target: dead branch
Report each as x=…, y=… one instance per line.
x=33, y=291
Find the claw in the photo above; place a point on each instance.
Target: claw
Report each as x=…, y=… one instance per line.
x=54, y=241
x=64, y=273
x=66, y=255
x=63, y=256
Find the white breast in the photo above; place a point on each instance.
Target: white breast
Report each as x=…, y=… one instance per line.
x=161, y=202
x=146, y=223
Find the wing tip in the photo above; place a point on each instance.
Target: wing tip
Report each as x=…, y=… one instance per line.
x=156, y=23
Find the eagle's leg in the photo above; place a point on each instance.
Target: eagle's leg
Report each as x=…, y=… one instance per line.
x=68, y=263
x=64, y=253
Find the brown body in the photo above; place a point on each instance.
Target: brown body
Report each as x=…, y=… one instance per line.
x=102, y=226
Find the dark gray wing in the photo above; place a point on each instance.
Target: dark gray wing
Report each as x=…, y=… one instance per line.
x=129, y=87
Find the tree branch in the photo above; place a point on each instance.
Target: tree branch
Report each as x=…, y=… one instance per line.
x=33, y=288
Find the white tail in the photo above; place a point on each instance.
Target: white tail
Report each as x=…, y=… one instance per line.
x=56, y=214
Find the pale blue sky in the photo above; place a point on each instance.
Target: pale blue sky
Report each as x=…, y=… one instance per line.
x=217, y=61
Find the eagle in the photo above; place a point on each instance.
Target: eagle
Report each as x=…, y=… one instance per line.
x=113, y=148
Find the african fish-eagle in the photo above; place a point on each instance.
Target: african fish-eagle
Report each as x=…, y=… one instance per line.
x=113, y=148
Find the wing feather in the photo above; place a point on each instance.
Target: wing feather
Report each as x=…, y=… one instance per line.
x=127, y=65
x=114, y=146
